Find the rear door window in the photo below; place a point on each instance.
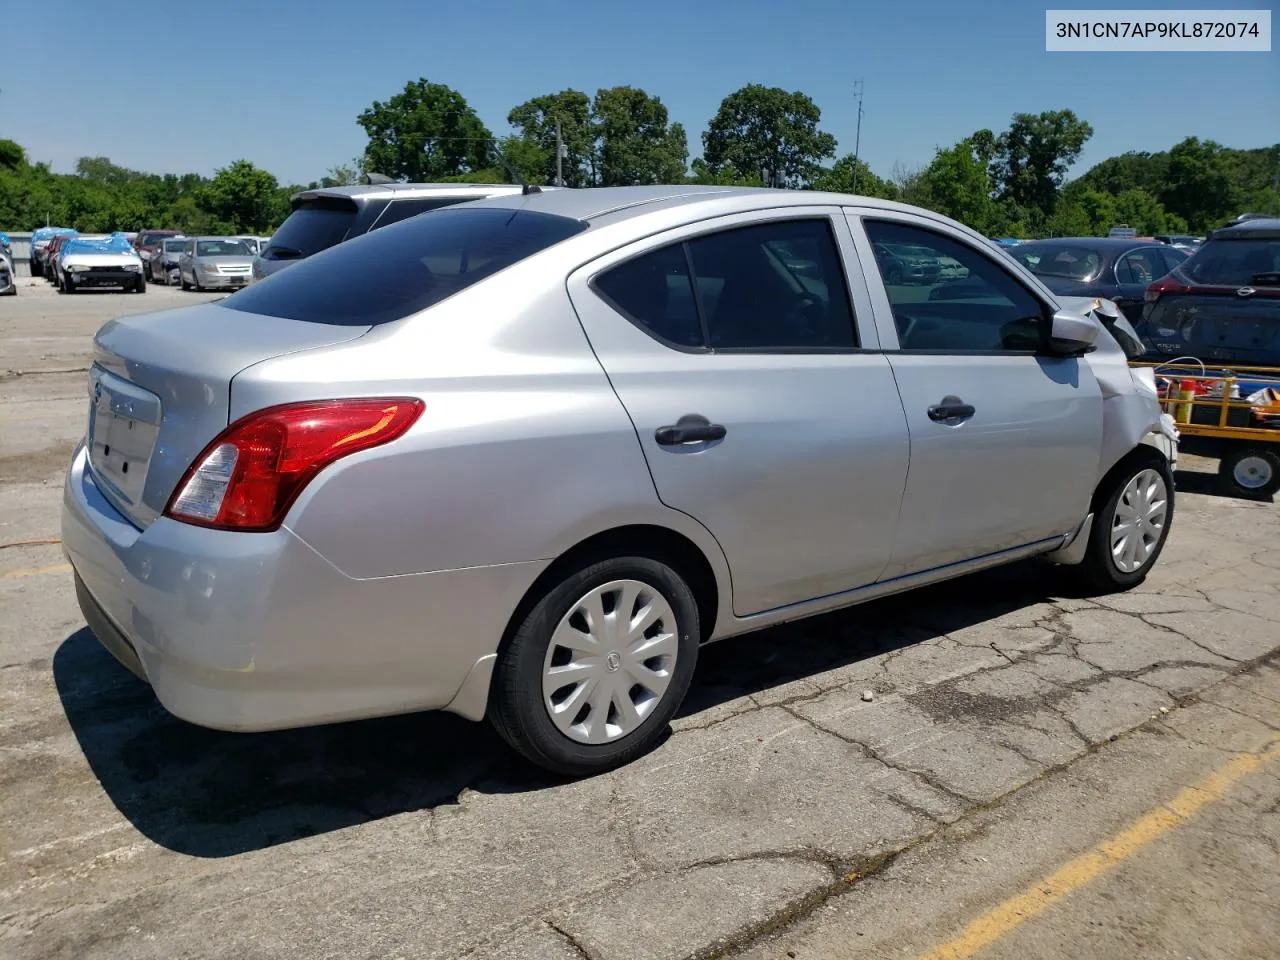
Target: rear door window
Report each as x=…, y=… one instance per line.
x=1236, y=263
x=398, y=210
x=1141, y=266
x=391, y=273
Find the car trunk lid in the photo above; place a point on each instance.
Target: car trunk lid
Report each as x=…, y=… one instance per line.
x=157, y=399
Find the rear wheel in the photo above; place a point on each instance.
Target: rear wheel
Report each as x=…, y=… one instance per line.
x=1131, y=524
x=594, y=673
x=1252, y=472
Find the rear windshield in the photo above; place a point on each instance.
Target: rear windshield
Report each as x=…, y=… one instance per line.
x=1058, y=260
x=1236, y=263
x=174, y=246
x=390, y=273
x=309, y=230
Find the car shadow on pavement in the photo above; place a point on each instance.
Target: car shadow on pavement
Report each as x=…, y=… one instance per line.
x=212, y=794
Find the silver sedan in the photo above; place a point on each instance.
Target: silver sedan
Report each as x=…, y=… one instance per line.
x=214, y=263
x=521, y=458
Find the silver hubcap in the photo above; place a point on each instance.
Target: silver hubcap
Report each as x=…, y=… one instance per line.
x=1139, y=520
x=610, y=661
x=1252, y=473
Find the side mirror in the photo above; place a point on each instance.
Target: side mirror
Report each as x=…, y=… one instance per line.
x=1072, y=334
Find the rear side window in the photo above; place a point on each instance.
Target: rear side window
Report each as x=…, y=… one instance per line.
x=398, y=210
x=310, y=229
x=772, y=287
x=388, y=274
x=1236, y=263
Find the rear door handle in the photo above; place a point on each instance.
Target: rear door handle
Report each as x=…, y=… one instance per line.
x=951, y=408
x=691, y=428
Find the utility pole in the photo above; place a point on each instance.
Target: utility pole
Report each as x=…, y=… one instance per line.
x=857, y=139
x=559, y=156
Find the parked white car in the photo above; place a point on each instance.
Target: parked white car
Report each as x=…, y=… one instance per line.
x=109, y=262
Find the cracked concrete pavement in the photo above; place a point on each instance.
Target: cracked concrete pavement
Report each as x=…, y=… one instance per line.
x=780, y=798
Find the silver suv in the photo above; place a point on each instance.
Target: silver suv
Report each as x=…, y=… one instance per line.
x=324, y=217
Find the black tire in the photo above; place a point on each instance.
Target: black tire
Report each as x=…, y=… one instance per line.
x=140, y=285
x=36, y=269
x=893, y=276
x=195, y=282
x=516, y=707
x=67, y=287
x=182, y=281
x=1099, y=570
x=1252, y=473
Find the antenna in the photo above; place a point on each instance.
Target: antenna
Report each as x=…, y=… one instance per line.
x=857, y=140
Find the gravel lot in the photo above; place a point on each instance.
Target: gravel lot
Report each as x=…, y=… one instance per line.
x=867, y=782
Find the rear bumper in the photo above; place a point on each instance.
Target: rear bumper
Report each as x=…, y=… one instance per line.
x=258, y=631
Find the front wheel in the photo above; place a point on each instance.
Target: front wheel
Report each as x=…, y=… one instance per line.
x=1131, y=525
x=1250, y=472
x=595, y=672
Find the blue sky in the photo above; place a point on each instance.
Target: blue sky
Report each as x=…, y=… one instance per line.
x=282, y=82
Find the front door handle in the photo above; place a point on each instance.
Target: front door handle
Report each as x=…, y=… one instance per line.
x=691, y=428
x=951, y=408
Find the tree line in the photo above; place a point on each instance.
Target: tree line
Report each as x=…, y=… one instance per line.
x=1011, y=182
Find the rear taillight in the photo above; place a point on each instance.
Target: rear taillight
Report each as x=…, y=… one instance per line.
x=248, y=477
x=1166, y=284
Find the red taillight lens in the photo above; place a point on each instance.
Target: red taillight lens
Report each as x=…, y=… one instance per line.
x=1166, y=284
x=247, y=478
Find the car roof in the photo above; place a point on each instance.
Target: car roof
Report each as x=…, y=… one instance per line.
x=381, y=191
x=1099, y=243
x=211, y=237
x=621, y=203
x=1259, y=228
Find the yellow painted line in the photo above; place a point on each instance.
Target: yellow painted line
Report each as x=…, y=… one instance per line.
x=1108, y=854
x=35, y=571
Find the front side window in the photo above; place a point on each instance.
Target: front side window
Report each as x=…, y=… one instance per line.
x=776, y=286
x=975, y=306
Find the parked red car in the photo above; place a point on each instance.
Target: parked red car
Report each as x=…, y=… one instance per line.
x=148, y=241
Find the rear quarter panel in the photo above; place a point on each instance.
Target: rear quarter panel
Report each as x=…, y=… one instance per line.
x=523, y=449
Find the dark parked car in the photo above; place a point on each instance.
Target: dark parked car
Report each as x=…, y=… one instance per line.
x=1223, y=304
x=325, y=217
x=148, y=242
x=1117, y=268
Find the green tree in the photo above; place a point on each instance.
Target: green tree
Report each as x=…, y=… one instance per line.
x=1135, y=170
x=1030, y=160
x=343, y=174
x=770, y=132
x=1141, y=211
x=839, y=179
x=244, y=197
x=636, y=142
x=536, y=120
x=1199, y=187
x=425, y=133
x=12, y=156
x=959, y=185
x=701, y=173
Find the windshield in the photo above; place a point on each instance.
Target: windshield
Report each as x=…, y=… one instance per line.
x=309, y=230
x=1236, y=263
x=394, y=272
x=151, y=239
x=1057, y=260
x=221, y=248
x=174, y=246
